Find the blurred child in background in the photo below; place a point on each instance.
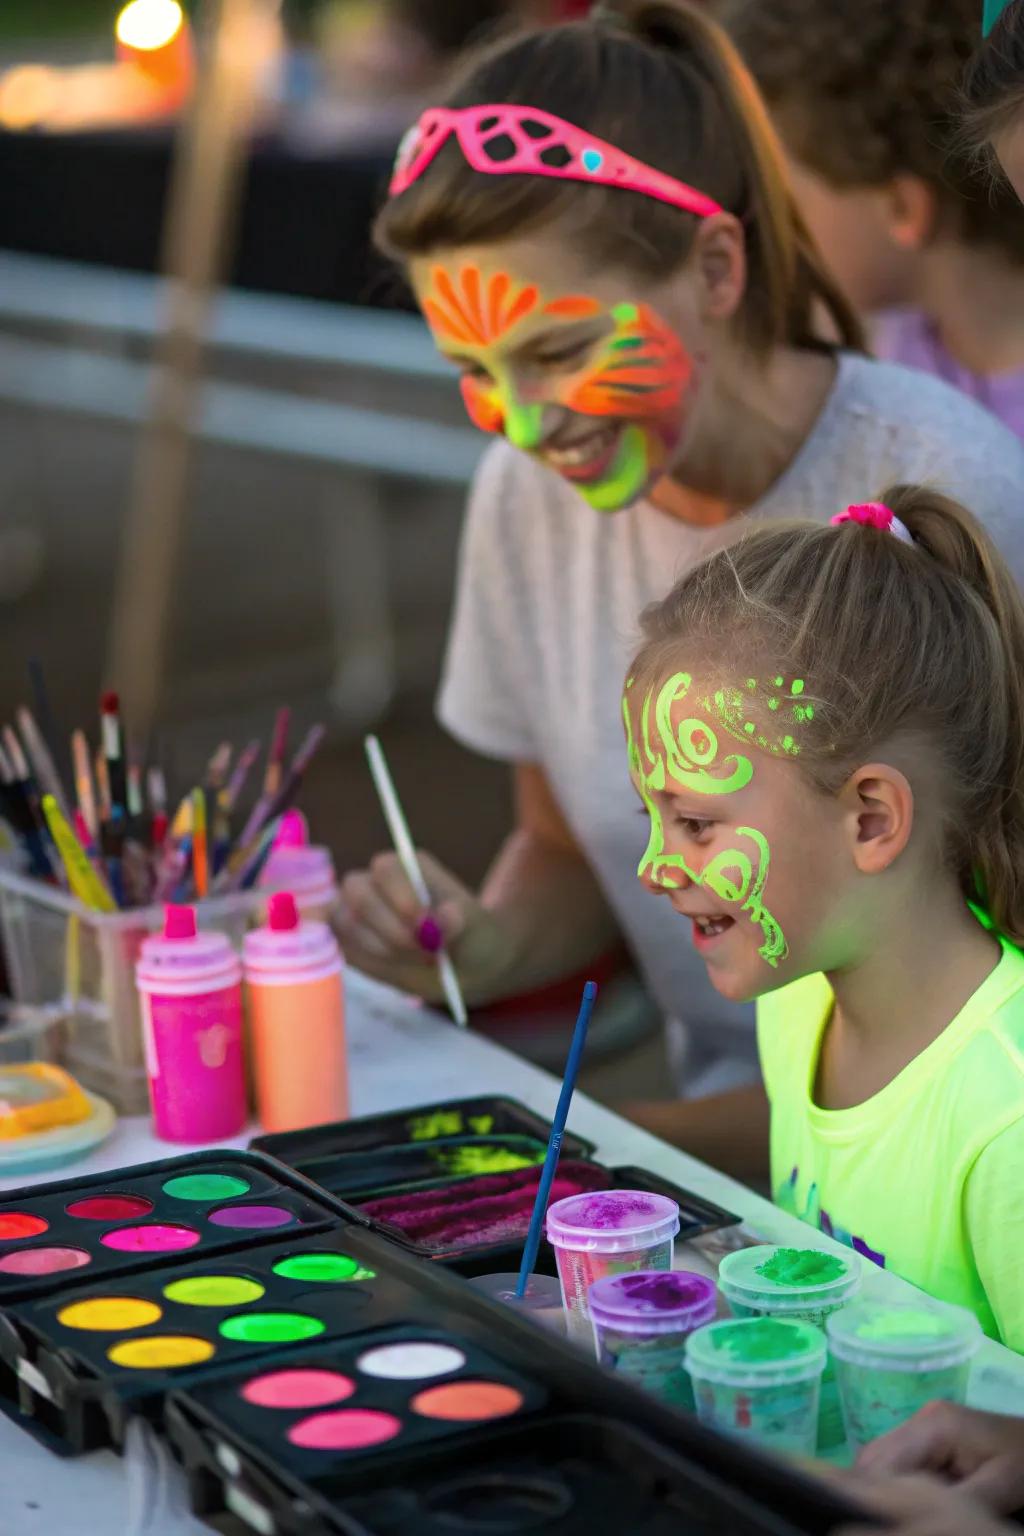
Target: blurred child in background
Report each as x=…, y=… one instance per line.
x=866, y=96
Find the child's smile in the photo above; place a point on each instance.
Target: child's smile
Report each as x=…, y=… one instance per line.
x=596, y=385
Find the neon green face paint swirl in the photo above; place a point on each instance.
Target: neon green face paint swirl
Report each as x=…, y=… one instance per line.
x=689, y=755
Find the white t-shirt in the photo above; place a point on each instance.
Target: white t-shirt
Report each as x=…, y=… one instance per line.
x=546, y=622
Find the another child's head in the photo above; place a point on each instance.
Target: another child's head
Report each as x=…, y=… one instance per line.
x=586, y=317
x=865, y=94
x=826, y=727
x=993, y=92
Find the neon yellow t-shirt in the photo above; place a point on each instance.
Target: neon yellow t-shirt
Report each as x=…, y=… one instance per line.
x=927, y=1177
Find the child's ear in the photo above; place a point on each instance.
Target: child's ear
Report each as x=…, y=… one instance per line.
x=878, y=806
x=911, y=210
x=719, y=260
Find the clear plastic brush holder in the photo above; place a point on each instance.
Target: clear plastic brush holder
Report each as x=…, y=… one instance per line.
x=79, y=966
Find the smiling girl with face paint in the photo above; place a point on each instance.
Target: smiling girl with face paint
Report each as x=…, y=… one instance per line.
x=598, y=228
x=825, y=729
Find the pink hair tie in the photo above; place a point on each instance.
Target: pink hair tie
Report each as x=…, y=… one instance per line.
x=874, y=514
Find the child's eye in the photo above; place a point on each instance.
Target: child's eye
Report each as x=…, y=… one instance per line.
x=691, y=825
x=566, y=355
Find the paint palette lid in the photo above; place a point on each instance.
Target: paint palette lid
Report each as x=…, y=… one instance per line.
x=61, y=1144
x=37, y=1097
x=612, y=1221
x=652, y=1301
x=907, y=1336
x=778, y=1280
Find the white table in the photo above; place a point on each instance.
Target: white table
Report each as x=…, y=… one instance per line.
x=400, y=1054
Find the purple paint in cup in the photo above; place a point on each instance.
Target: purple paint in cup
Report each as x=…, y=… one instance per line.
x=642, y=1322
x=615, y=1232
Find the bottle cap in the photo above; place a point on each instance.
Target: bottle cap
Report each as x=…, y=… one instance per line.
x=179, y=922
x=293, y=831
x=282, y=913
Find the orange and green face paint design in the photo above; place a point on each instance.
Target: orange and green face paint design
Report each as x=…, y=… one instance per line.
x=685, y=753
x=635, y=369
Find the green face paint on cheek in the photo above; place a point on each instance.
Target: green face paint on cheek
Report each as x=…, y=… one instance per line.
x=682, y=755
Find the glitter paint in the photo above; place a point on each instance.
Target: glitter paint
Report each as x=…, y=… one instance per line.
x=17, y=1225
x=323, y=1268
x=43, y=1261
x=110, y=1314
x=347, y=1429
x=467, y=1161
x=298, y=1389
x=167, y=1352
x=214, y=1291
x=271, y=1327
x=159, y=1238
x=802, y=1267
x=411, y=1361
x=482, y=1212
x=467, y=1402
x=758, y=1340
x=201, y=1187
x=448, y=1122
x=252, y=1217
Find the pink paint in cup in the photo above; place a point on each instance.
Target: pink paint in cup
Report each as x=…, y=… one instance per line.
x=610, y=1232
x=191, y=993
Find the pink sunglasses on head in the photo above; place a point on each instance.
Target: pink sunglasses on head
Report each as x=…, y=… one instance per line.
x=502, y=140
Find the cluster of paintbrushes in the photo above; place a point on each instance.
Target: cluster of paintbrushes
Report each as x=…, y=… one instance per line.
x=113, y=844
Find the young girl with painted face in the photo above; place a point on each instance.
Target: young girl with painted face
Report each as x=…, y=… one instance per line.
x=826, y=729
x=599, y=231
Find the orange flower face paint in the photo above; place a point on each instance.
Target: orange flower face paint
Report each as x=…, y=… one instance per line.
x=636, y=370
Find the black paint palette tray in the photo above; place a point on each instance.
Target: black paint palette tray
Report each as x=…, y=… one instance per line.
x=86, y=1360
x=419, y=1162
x=489, y=1116
x=554, y=1474
x=84, y=1230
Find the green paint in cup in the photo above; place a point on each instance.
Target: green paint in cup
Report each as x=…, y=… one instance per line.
x=759, y=1378
x=805, y=1285
x=892, y=1358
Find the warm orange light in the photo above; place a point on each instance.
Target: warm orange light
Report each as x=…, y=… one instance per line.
x=28, y=95
x=146, y=25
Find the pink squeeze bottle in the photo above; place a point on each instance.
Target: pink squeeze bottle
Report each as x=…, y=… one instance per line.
x=191, y=993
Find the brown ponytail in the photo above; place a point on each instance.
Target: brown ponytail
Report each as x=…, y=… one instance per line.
x=918, y=646
x=662, y=82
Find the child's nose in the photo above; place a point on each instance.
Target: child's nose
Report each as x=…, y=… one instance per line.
x=663, y=882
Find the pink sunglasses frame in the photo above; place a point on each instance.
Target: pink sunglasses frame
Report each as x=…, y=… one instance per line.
x=592, y=159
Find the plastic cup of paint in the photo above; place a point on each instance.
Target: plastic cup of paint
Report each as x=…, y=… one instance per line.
x=641, y=1325
x=611, y=1232
x=759, y=1378
x=541, y=1304
x=806, y=1285
x=892, y=1358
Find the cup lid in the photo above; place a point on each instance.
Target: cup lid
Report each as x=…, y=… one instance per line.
x=781, y=1277
x=932, y=1333
x=177, y=956
x=767, y=1347
x=612, y=1220
x=653, y=1301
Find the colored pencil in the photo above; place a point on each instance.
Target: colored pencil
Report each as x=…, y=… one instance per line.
x=399, y=829
x=200, y=856
x=41, y=758
x=83, y=879
x=83, y=783
x=113, y=749
x=278, y=748
x=572, y=1069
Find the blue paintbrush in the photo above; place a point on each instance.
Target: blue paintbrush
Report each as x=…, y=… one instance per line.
x=547, y=1178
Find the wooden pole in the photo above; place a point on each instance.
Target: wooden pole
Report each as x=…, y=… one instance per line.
x=203, y=198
